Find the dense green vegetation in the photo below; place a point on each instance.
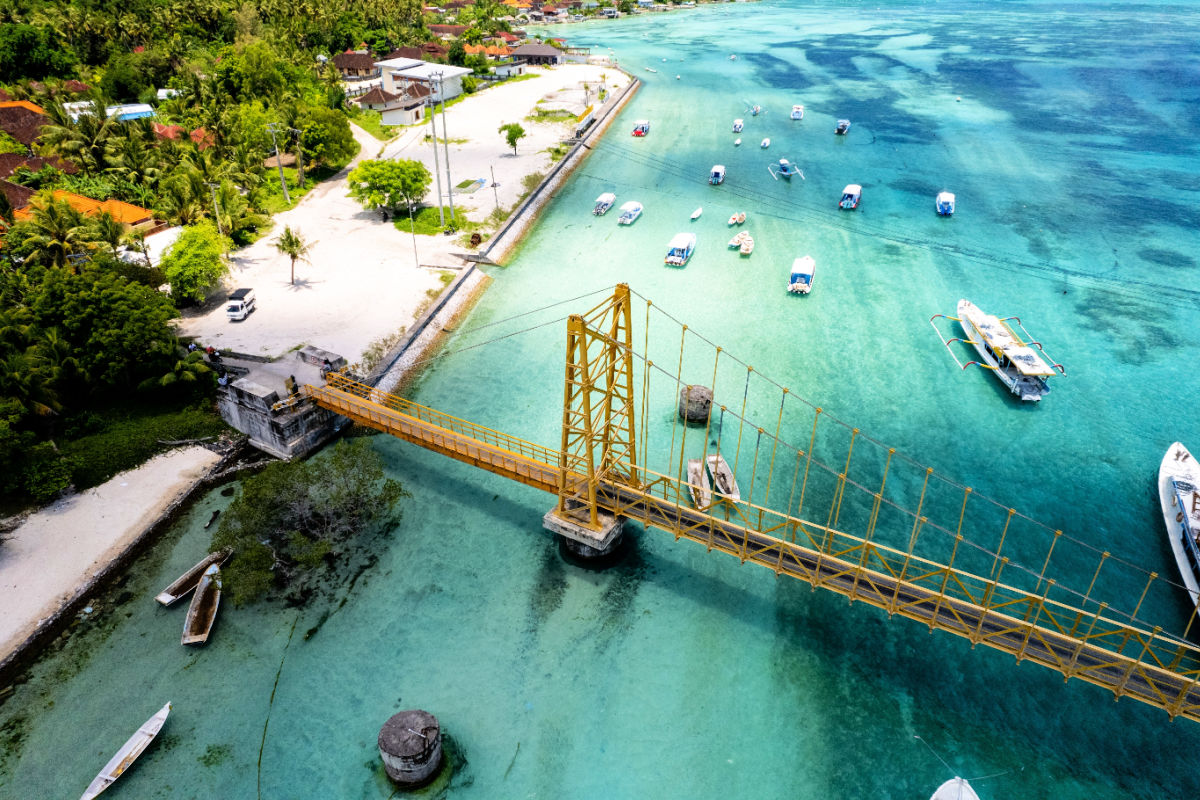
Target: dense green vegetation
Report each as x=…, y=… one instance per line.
x=294, y=522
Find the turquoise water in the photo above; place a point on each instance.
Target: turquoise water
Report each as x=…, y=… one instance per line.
x=677, y=672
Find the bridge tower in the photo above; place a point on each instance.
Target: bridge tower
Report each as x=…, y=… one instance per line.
x=599, y=425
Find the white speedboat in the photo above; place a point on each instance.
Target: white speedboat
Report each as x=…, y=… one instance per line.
x=629, y=213
x=128, y=753
x=680, y=249
x=716, y=175
x=1179, y=494
x=765, y=143
x=843, y=127
x=801, y=278
x=944, y=203
x=955, y=789
x=851, y=196
x=797, y=112
x=1016, y=362
x=603, y=203
x=738, y=125
x=696, y=214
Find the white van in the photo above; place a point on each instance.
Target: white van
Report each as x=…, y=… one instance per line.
x=241, y=303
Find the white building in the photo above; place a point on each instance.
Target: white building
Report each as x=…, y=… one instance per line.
x=399, y=72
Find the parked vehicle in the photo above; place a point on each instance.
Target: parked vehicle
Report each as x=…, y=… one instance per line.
x=241, y=303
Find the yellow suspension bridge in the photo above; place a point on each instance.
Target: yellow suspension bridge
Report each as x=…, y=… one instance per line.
x=600, y=480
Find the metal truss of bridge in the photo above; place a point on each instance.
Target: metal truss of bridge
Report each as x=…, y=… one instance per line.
x=874, y=545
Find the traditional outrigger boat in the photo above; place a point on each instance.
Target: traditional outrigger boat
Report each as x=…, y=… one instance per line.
x=202, y=611
x=955, y=789
x=603, y=203
x=801, y=278
x=680, y=249
x=1016, y=362
x=188, y=580
x=784, y=169
x=129, y=752
x=715, y=472
x=1179, y=495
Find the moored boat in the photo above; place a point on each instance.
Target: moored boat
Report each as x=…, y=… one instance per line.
x=188, y=580
x=629, y=213
x=680, y=249
x=641, y=127
x=603, y=203
x=1179, y=496
x=716, y=175
x=797, y=111
x=755, y=110
x=784, y=169
x=738, y=238
x=737, y=142
x=707, y=474
x=203, y=609
x=955, y=789
x=747, y=245
x=843, y=127
x=800, y=279
x=737, y=218
x=944, y=203
x=696, y=214
x=133, y=747
x=1016, y=362
x=765, y=143
x=851, y=195
x=737, y=125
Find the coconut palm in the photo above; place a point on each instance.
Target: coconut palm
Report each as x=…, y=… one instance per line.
x=105, y=230
x=56, y=233
x=293, y=246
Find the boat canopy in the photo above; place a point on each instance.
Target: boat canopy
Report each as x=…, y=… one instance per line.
x=852, y=188
x=803, y=268
x=682, y=241
x=718, y=169
x=607, y=197
x=632, y=205
x=1002, y=340
x=945, y=197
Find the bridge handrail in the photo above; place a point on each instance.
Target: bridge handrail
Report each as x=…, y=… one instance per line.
x=513, y=444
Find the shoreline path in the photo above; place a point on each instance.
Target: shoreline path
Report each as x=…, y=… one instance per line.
x=361, y=284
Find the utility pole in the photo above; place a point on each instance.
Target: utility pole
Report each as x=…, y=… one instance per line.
x=279, y=162
x=494, y=185
x=412, y=227
x=217, y=214
x=436, y=169
x=299, y=153
x=446, y=136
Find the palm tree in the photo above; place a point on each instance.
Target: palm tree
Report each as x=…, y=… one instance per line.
x=57, y=232
x=293, y=246
x=108, y=231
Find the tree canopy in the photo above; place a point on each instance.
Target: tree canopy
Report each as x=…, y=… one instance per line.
x=389, y=183
x=193, y=265
x=513, y=133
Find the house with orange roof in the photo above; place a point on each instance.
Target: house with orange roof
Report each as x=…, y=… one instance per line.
x=129, y=215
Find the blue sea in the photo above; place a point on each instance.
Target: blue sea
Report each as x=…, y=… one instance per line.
x=1067, y=132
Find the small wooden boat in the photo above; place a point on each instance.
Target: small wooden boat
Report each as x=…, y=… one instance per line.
x=955, y=789
x=701, y=481
x=696, y=214
x=737, y=240
x=128, y=753
x=203, y=610
x=188, y=580
x=747, y=246
x=1179, y=494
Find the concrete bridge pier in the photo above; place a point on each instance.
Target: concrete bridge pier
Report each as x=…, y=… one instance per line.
x=583, y=542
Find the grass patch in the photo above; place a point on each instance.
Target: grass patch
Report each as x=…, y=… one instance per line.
x=431, y=295
x=466, y=183
x=551, y=115
x=275, y=202
x=440, y=140
x=111, y=440
x=376, y=350
x=558, y=151
x=371, y=121
x=427, y=222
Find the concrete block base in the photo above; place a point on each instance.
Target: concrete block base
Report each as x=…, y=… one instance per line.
x=582, y=541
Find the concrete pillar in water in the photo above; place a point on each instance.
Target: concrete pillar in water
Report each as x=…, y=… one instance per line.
x=695, y=402
x=410, y=744
x=583, y=542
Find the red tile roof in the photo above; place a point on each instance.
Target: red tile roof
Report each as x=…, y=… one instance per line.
x=376, y=96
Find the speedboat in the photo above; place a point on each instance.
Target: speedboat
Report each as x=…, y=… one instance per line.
x=629, y=213
x=955, y=789
x=747, y=245
x=696, y=214
x=801, y=278
x=738, y=125
x=843, y=127
x=1179, y=494
x=603, y=203
x=944, y=203
x=784, y=169
x=641, y=127
x=680, y=249
x=850, y=197
x=797, y=112
x=765, y=143
x=717, y=175
x=1017, y=362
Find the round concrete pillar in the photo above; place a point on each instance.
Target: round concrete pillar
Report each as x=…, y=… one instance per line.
x=410, y=744
x=695, y=402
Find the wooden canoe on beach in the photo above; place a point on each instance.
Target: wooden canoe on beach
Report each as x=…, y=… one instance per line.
x=203, y=610
x=128, y=753
x=188, y=580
